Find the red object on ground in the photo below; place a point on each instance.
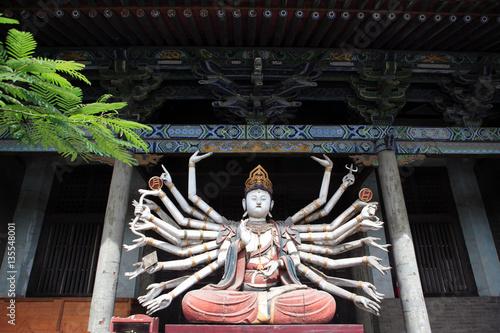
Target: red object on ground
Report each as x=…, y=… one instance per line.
x=135, y=323
x=264, y=328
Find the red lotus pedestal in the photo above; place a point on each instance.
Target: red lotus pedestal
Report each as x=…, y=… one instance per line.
x=136, y=324
x=264, y=328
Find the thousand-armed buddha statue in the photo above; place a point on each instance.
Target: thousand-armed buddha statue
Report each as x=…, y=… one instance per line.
x=262, y=258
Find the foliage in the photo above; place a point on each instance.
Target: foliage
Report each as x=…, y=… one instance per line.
x=39, y=106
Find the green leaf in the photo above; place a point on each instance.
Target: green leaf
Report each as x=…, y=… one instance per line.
x=96, y=108
x=39, y=106
x=6, y=20
x=56, y=79
x=30, y=65
x=20, y=44
x=3, y=54
x=71, y=68
x=28, y=96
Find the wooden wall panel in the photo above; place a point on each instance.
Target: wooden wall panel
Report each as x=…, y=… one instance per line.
x=55, y=315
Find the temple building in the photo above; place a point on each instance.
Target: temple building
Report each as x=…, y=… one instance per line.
x=406, y=91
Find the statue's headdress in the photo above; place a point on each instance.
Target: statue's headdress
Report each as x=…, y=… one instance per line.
x=258, y=179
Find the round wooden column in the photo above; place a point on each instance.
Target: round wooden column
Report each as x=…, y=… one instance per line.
x=412, y=298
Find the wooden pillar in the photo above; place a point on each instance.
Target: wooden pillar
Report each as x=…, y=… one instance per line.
x=411, y=295
x=108, y=265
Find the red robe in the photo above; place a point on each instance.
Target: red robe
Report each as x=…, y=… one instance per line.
x=225, y=303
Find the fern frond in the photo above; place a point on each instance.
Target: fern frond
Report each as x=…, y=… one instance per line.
x=62, y=92
x=26, y=95
x=29, y=65
x=104, y=98
x=95, y=108
x=56, y=79
x=71, y=68
x=49, y=96
x=39, y=105
x=20, y=44
x=124, y=128
x=67, y=105
x=9, y=99
x=3, y=54
x=110, y=144
x=6, y=20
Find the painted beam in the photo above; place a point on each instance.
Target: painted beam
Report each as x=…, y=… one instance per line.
x=237, y=60
x=342, y=139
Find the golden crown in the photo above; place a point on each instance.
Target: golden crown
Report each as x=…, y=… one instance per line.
x=258, y=179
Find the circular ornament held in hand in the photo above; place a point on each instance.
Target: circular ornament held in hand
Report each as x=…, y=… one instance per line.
x=155, y=183
x=365, y=194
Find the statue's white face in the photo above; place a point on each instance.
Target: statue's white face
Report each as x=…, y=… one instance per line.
x=258, y=203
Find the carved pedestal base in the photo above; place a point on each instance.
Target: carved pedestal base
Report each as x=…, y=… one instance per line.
x=264, y=328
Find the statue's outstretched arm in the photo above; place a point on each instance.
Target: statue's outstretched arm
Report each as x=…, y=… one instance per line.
x=182, y=264
x=321, y=232
x=181, y=251
x=163, y=301
x=179, y=218
x=145, y=215
x=157, y=209
x=198, y=202
x=356, y=207
x=367, y=287
x=165, y=176
x=159, y=229
x=363, y=226
x=343, y=263
x=347, y=181
x=360, y=301
x=323, y=192
x=328, y=250
x=332, y=237
x=155, y=289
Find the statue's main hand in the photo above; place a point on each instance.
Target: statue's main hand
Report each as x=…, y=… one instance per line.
x=366, y=304
x=374, y=263
x=371, y=290
x=159, y=303
x=195, y=158
x=245, y=234
x=155, y=289
x=327, y=163
x=372, y=241
x=270, y=268
x=140, y=269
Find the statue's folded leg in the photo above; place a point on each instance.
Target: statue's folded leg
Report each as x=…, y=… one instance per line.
x=304, y=306
x=220, y=306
